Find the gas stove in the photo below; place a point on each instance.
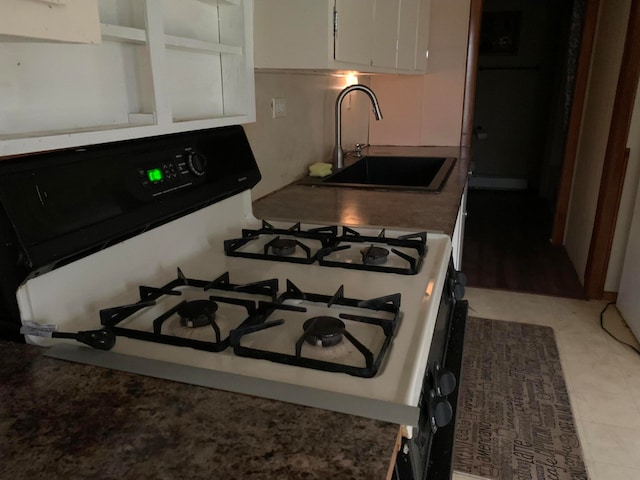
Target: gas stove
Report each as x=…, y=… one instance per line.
x=172, y=276
x=130, y=288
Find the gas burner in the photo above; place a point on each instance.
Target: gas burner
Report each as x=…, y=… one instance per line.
x=284, y=246
x=197, y=313
x=174, y=322
x=337, y=333
x=374, y=255
x=295, y=246
x=323, y=331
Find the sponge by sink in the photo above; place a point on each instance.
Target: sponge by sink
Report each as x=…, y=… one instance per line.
x=320, y=169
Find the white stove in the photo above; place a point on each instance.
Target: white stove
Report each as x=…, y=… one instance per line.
x=112, y=277
x=144, y=256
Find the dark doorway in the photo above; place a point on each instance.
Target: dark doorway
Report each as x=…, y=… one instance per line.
x=526, y=65
x=507, y=246
x=527, y=62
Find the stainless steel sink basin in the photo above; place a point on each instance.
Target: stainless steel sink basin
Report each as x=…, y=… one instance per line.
x=398, y=173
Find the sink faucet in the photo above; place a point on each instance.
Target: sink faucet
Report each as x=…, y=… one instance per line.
x=338, y=153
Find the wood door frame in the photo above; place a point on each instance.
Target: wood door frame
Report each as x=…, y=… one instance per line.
x=473, y=47
x=615, y=160
x=575, y=122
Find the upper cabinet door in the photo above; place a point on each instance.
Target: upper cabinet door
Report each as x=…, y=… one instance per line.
x=61, y=20
x=353, y=24
x=367, y=36
x=422, y=50
x=385, y=33
x=408, y=29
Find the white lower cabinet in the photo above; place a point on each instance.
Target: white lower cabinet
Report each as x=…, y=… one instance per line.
x=162, y=66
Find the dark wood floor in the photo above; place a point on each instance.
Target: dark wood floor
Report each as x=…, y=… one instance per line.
x=506, y=246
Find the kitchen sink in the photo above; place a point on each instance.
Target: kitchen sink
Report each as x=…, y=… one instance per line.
x=398, y=173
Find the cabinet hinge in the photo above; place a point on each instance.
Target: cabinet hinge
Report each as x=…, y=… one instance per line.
x=335, y=20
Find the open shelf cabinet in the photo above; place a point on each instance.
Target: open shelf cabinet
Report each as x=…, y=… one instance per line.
x=163, y=66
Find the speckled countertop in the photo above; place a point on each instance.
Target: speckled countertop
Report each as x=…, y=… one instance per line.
x=352, y=206
x=67, y=420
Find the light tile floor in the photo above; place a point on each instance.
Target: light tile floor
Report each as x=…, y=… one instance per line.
x=602, y=375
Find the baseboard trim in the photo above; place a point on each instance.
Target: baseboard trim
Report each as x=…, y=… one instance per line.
x=498, y=183
x=610, y=296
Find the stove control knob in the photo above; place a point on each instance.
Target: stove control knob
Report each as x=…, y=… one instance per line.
x=445, y=381
x=440, y=411
x=197, y=164
x=458, y=280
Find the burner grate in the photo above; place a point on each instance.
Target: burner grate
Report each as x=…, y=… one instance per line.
x=402, y=255
x=112, y=318
x=279, y=244
x=296, y=301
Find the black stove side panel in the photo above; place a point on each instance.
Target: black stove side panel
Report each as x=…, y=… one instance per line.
x=433, y=460
x=12, y=272
x=59, y=206
x=428, y=455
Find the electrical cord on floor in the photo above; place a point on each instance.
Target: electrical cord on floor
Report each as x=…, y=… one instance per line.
x=611, y=334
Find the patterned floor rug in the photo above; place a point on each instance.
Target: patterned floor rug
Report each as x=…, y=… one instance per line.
x=514, y=418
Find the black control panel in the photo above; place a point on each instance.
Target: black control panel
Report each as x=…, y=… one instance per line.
x=182, y=169
x=65, y=204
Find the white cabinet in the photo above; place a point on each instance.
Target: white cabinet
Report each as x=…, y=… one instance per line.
x=369, y=36
x=457, y=239
x=353, y=37
x=60, y=20
x=412, y=47
x=163, y=66
x=385, y=45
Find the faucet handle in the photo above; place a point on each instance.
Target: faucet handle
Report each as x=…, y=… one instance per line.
x=359, y=147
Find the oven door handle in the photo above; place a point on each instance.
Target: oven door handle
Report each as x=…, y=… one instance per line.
x=100, y=339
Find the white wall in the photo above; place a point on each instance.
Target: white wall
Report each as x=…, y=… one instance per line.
x=605, y=67
x=285, y=147
x=627, y=202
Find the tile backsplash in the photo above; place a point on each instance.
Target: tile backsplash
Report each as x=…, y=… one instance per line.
x=285, y=147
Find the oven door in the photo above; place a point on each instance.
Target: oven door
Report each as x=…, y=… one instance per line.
x=428, y=454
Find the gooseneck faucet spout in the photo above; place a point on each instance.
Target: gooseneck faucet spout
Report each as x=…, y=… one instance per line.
x=338, y=153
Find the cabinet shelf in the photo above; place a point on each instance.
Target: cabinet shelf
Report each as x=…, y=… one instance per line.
x=73, y=131
x=65, y=138
x=221, y=2
x=133, y=84
x=173, y=41
x=119, y=33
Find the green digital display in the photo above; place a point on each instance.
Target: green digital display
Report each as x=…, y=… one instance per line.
x=155, y=175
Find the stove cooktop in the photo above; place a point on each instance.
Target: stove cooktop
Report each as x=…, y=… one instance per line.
x=111, y=278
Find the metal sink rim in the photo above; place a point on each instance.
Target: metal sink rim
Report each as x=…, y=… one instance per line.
x=435, y=186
